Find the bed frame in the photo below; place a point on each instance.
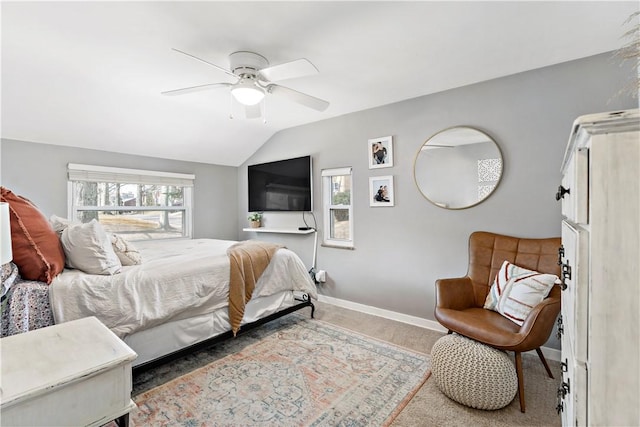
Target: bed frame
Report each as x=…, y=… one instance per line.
x=305, y=301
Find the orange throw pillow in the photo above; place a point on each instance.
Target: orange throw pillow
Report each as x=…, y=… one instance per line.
x=36, y=247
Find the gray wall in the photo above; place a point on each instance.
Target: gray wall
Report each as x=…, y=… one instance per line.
x=39, y=172
x=400, y=251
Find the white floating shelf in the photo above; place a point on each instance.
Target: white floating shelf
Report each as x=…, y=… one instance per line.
x=279, y=230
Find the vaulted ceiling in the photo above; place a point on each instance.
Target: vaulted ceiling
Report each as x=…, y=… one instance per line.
x=90, y=74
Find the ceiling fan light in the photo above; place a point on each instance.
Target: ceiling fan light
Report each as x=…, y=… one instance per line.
x=247, y=93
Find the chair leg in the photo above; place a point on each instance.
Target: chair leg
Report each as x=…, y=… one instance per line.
x=544, y=362
x=520, y=380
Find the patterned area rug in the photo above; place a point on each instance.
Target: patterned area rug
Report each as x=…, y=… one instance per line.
x=294, y=372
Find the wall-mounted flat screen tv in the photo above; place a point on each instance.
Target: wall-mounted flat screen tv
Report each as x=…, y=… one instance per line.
x=283, y=185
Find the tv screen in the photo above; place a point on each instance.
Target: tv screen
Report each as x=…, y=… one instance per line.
x=284, y=185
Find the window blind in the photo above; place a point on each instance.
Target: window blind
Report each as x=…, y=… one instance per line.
x=336, y=171
x=91, y=173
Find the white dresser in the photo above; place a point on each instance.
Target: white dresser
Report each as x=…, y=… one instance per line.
x=600, y=255
x=72, y=374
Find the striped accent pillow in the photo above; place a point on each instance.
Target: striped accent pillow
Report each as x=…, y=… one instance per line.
x=516, y=290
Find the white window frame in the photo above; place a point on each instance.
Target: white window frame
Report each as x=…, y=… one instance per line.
x=91, y=173
x=327, y=174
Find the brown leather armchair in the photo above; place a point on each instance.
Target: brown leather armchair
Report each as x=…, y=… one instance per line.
x=460, y=301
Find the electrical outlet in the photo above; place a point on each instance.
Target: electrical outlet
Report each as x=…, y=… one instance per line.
x=321, y=276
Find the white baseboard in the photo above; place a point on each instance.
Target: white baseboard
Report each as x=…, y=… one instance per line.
x=387, y=314
x=549, y=353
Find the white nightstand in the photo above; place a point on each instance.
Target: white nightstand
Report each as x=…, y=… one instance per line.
x=72, y=374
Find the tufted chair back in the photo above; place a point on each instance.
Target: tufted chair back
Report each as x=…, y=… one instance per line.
x=487, y=252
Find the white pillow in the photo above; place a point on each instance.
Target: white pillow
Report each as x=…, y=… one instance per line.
x=516, y=290
x=88, y=248
x=58, y=223
x=126, y=252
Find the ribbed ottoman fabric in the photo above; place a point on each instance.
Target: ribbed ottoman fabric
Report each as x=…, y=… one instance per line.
x=472, y=373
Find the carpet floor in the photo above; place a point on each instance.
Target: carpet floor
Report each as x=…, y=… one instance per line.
x=427, y=407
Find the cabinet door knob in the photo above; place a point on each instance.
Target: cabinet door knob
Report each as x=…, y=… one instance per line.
x=561, y=192
x=566, y=275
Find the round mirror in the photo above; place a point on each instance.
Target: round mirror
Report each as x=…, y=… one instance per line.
x=458, y=167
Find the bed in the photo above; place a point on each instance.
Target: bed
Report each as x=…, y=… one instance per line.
x=163, y=298
x=179, y=296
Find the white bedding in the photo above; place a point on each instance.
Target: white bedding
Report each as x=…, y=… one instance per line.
x=176, y=280
x=175, y=335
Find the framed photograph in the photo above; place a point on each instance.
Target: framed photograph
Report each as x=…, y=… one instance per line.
x=381, y=191
x=380, y=152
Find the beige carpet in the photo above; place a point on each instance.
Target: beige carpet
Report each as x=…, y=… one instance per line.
x=430, y=407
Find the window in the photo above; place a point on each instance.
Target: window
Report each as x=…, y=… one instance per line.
x=139, y=204
x=489, y=172
x=337, y=207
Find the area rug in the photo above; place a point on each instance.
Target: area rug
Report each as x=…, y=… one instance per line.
x=301, y=372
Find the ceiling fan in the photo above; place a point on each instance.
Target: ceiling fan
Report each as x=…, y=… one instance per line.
x=254, y=79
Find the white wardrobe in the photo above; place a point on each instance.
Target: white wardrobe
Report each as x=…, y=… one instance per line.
x=600, y=257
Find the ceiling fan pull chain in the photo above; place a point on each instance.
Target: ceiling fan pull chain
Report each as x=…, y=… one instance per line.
x=230, y=106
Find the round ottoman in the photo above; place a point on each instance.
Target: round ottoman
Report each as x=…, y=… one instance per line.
x=472, y=373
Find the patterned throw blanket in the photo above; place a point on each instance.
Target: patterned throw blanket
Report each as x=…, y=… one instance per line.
x=248, y=260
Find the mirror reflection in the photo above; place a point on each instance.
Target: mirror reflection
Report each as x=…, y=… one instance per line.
x=458, y=167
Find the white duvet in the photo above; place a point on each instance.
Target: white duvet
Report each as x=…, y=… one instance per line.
x=176, y=280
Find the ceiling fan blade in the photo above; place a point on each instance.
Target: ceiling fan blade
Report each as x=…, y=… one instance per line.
x=299, y=97
x=289, y=70
x=194, y=88
x=206, y=62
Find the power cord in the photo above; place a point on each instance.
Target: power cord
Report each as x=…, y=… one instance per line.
x=315, y=223
x=312, y=270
